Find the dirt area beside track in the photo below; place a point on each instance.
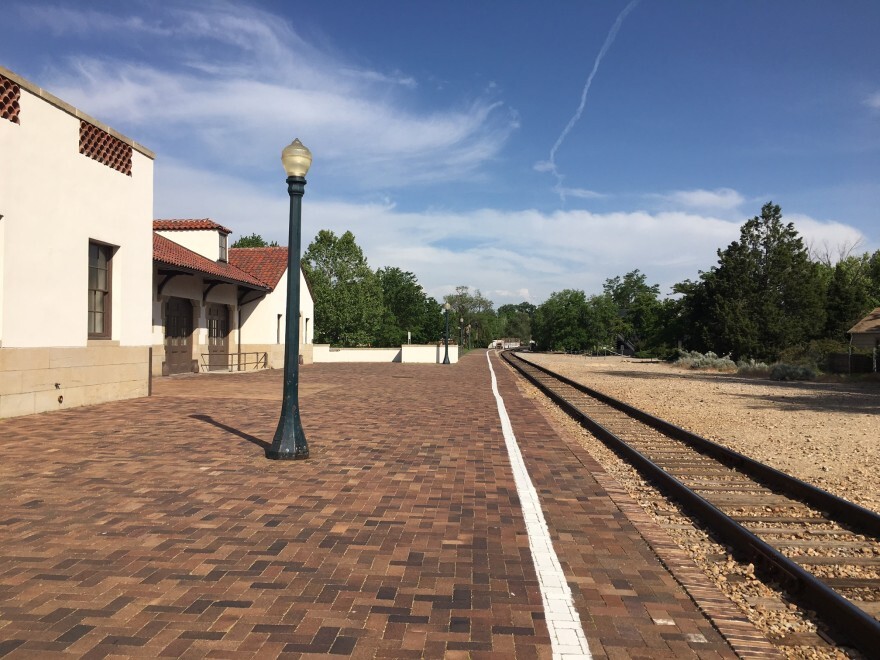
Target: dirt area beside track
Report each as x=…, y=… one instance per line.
x=824, y=433
x=827, y=434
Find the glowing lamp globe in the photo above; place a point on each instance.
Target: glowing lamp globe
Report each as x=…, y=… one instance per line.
x=296, y=159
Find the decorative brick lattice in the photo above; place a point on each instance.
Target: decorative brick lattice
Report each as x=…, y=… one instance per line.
x=10, y=93
x=104, y=148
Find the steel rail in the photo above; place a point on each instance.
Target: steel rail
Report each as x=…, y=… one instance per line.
x=852, y=624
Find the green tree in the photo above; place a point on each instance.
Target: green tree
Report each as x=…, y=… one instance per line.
x=637, y=304
x=252, y=241
x=764, y=295
x=485, y=327
x=516, y=320
x=874, y=273
x=347, y=294
x=464, y=303
x=852, y=293
x=434, y=323
x=693, y=327
x=560, y=322
x=477, y=312
x=406, y=309
x=669, y=329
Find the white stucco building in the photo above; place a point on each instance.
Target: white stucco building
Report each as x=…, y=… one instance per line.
x=217, y=308
x=262, y=321
x=76, y=201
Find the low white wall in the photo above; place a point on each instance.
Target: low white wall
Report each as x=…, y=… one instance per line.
x=424, y=354
x=323, y=353
x=418, y=353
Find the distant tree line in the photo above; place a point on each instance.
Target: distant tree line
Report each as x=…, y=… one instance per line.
x=767, y=298
x=356, y=306
x=478, y=323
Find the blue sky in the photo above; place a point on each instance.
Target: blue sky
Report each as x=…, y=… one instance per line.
x=454, y=138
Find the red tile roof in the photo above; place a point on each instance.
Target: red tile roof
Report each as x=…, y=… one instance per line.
x=168, y=252
x=188, y=225
x=267, y=264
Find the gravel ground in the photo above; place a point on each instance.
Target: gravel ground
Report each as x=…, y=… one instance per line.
x=825, y=434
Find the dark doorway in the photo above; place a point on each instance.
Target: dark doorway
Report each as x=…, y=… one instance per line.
x=178, y=336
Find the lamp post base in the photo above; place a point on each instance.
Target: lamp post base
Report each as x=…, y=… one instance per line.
x=289, y=443
x=286, y=455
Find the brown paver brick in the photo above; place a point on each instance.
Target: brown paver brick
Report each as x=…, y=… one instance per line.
x=156, y=527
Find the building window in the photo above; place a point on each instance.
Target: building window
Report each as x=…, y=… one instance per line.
x=223, y=242
x=100, y=257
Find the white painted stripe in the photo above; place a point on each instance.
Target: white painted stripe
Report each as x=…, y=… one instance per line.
x=567, y=638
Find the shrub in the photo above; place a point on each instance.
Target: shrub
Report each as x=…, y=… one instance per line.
x=752, y=368
x=782, y=371
x=814, y=354
x=697, y=360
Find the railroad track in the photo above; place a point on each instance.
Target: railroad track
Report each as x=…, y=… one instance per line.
x=824, y=549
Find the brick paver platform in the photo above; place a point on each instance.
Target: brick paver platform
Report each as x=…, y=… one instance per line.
x=156, y=527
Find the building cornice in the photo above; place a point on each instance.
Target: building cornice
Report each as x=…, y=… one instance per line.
x=76, y=112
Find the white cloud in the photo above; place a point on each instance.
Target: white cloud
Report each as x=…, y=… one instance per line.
x=64, y=20
x=720, y=199
x=873, y=101
x=827, y=239
x=245, y=83
x=396, y=78
x=580, y=193
x=510, y=255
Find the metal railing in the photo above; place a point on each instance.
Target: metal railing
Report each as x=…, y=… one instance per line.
x=246, y=361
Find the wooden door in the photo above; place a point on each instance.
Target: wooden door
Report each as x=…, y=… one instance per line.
x=218, y=337
x=178, y=336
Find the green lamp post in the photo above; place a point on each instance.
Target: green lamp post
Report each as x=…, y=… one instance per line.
x=290, y=440
x=446, y=309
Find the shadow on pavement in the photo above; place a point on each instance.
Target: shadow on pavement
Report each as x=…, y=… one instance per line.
x=234, y=431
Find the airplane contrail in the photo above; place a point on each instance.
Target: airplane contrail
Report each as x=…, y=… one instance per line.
x=550, y=164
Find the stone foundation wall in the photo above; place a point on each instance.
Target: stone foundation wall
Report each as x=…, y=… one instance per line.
x=34, y=380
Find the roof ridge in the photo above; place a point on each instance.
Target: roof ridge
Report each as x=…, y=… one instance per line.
x=186, y=258
x=187, y=224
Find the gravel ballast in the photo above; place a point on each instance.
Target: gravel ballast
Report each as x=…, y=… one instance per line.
x=823, y=433
x=827, y=434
